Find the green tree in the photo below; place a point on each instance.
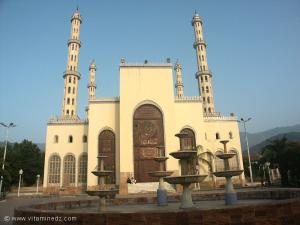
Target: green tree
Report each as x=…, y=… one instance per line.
x=26, y=156
x=285, y=155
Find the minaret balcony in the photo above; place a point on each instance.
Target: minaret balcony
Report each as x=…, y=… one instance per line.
x=92, y=85
x=196, y=19
x=204, y=72
x=199, y=42
x=72, y=73
x=70, y=41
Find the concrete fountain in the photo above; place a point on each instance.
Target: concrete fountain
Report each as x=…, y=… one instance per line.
x=103, y=193
x=184, y=155
x=228, y=173
x=162, y=197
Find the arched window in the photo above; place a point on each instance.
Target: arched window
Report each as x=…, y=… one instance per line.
x=72, y=101
x=82, y=169
x=71, y=57
x=219, y=163
x=204, y=68
x=188, y=142
x=206, y=78
x=106, y=146
x=201, y=79
x=217, y=136
x=71, y=68
x=234, y=161
x=203, y=99
x=70, y=139
x=207, y=89
x=84, y=138
x=73, y=90
x=68, y=101
x=69, y=90
x=202, y=57
x=75, y=58
x=201, y=47
x=54, y=170
x=209, y=109
x=202, y=89
x=67, y=112
x=205, y=110
x=56, y=139
x=72, y=112
x=72, y=46
x=74, y=80
x=208, y=99
x=69, y=170
x=70, y=79
x=230, y=135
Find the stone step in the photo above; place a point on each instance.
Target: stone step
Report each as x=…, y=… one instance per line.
x=148, y=187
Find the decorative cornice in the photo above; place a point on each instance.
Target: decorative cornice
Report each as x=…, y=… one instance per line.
x=66, y=120
x=104, y=99
x=188, y=99
x=146, y=65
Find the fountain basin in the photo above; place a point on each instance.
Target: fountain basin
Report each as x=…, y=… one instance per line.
x=228, y=173
x=183, y=154
x=103, y=193
x=182, y=135
x=102, y=173
x=188, y=179
x=225, y=155
x=160, y=173
x=160, y=158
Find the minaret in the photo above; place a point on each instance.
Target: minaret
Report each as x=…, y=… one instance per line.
x=203, y=75
x=92, y=83
x=179, y=83
x=71, y=75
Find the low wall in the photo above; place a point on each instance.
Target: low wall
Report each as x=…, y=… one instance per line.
x=285, y=211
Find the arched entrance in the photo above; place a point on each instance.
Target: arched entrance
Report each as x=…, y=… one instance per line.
x=106, y=146
x=148, y=133
x=189, y=143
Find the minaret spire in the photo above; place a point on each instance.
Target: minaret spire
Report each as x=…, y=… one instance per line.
x=92, y=84
x=179, y=83
x=203, y=74
x=71, y=75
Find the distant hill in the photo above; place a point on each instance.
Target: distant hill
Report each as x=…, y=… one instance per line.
x=257, y=138
x=292, y=136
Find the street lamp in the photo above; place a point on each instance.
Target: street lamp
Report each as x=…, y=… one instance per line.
x=246, y=138
x=4, y=155
x=37, y=183
x=20, y=176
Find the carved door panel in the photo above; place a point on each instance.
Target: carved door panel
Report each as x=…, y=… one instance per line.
x=147, y=135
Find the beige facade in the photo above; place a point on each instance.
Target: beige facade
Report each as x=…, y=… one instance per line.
x=128, y=129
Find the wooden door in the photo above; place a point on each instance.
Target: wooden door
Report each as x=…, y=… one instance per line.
x=148, y=133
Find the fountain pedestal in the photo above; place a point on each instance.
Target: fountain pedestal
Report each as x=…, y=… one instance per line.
x=103, y=194
x=162, y=195
x=230, y=193
x=185, y=179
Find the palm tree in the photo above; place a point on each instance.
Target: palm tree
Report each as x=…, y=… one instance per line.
x=275, y=153
x=202, y=157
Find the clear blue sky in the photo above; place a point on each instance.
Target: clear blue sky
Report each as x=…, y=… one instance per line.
x=253, y=51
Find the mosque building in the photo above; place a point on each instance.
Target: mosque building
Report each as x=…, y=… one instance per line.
x=128, y=128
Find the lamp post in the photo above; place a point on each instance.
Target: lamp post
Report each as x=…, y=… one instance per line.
x=246, y=138
x=37, y=183
x=4, y=155
x=20, y=176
